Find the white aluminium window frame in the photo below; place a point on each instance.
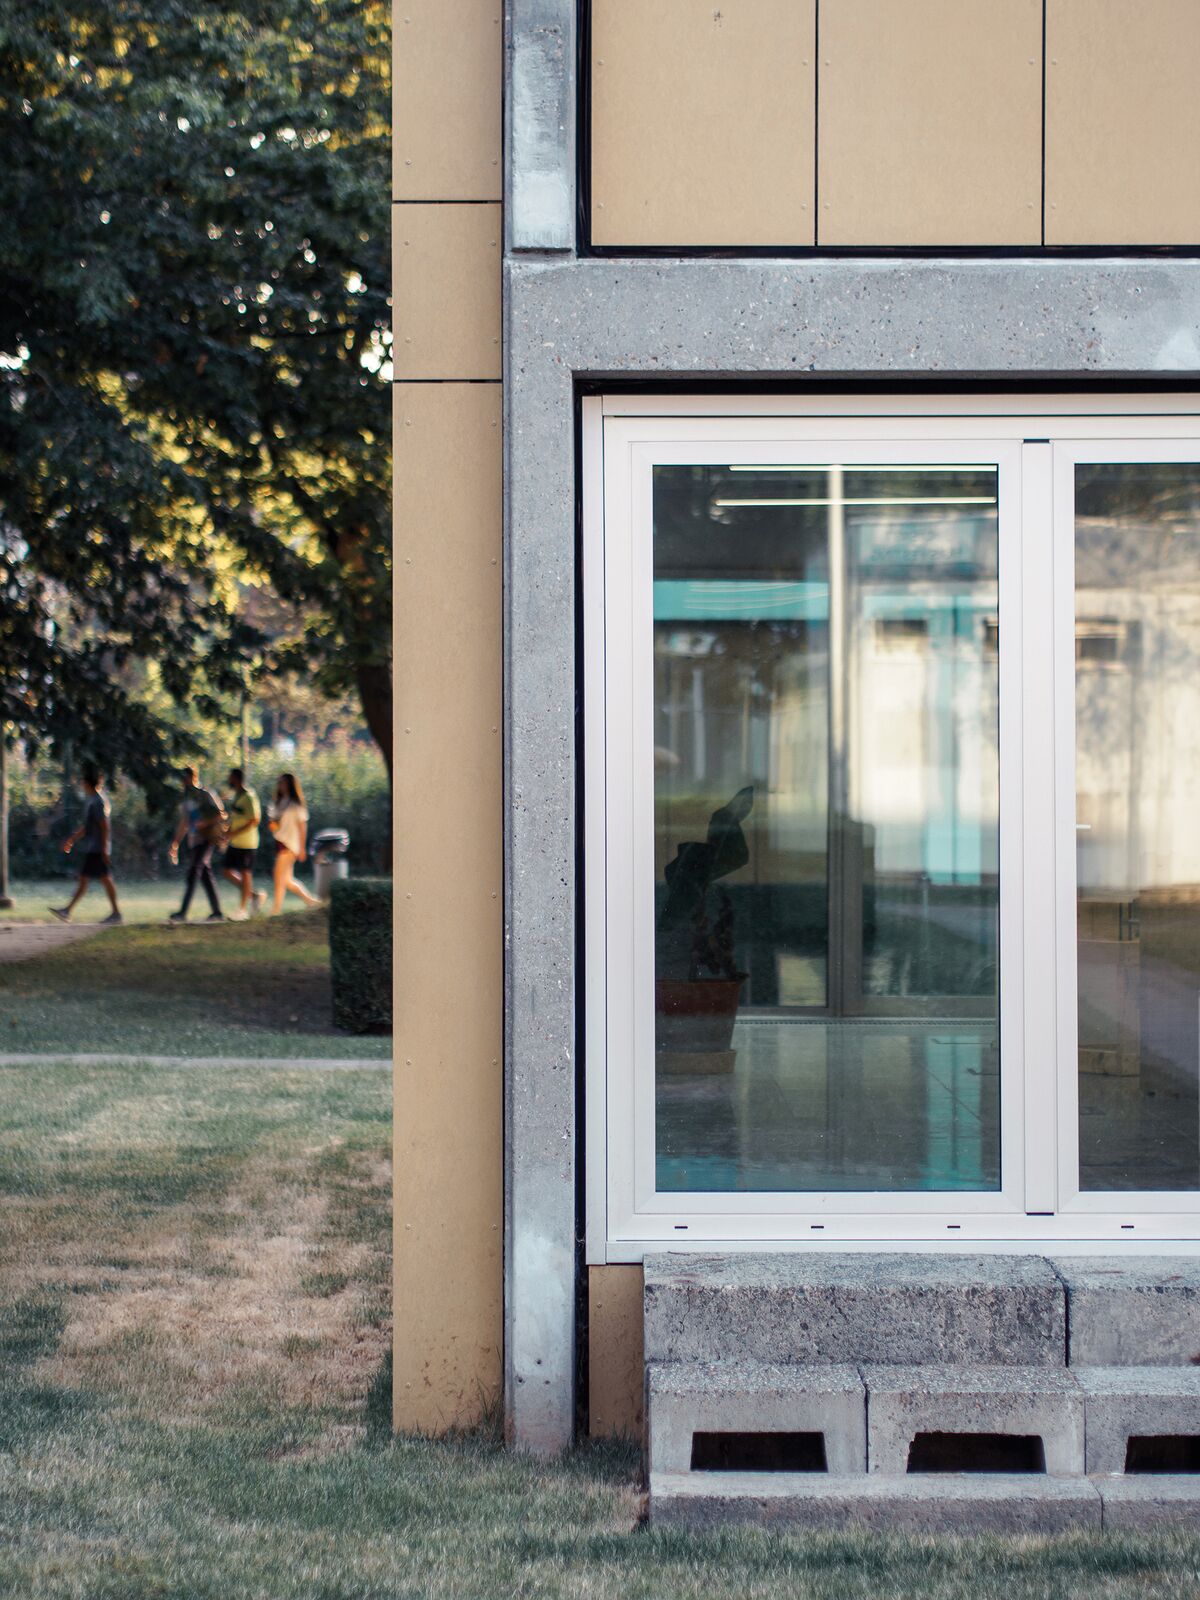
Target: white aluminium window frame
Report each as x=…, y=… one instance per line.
x=1034, y=441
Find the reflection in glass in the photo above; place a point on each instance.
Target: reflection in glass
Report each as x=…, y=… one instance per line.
x=826, y=806
x=1137, y=749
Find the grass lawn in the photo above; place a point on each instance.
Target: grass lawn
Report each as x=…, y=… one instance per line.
x=258, y=988
x=193, y=1389
x=142, y=900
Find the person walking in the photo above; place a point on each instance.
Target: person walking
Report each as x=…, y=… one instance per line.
x=201, y=822
x=289, y=823
x=245, y=814
x=96, y=833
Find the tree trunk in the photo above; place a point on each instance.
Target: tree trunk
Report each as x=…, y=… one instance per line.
x=5, y=898
x=375, y=692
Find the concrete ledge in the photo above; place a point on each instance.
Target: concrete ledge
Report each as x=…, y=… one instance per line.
x=1139, y=1504
x=1120, y=1402
x=754, y=1397
x=883, y=1309
x=1140, y=1311
x=933, y=1503
x=905, y=1401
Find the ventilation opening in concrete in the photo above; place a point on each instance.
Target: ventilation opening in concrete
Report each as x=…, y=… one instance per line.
x=976, y=1452
x=1163, y=1452
x=758, y=1452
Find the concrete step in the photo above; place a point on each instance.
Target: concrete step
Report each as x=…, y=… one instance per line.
x=973, y=1413
x=1134, y=1311
x=929, y=1503
x=846, y=1308
x=1141, y=1417
x=694, y=1405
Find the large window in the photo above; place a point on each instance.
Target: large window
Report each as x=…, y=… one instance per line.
x=826, y=800
x=893, y=886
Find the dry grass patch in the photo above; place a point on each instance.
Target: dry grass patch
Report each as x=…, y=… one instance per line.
x=194, y=1390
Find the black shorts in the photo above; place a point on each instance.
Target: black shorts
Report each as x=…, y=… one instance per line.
x=237, y=860
x=95, y=865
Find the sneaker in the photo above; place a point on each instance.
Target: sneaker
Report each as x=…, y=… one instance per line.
x=215, y=916
x=177, y=916
x=113, y=920
x=259, y=901
x=63, y=913
x=239, y=915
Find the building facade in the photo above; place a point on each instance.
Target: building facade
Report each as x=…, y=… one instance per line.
x=798, y=596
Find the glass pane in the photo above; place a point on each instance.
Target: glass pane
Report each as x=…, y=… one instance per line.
x=826, y=804
x=1137, y=749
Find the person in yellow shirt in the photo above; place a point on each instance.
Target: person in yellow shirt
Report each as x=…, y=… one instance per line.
x=245, y=814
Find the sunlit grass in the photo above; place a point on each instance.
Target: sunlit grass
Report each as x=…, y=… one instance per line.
x=246, y=989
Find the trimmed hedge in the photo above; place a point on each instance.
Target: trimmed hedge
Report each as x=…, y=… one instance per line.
x=360, y=954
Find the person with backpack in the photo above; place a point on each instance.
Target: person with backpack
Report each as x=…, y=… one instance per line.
x=96, y=833
x=202, y=824
x=245, y=814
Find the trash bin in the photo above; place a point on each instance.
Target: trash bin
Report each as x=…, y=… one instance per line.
x=329, y=859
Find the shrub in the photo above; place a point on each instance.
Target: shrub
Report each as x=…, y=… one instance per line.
x=360, y=954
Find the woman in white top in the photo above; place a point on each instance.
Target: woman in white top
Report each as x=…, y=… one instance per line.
x=288, y=818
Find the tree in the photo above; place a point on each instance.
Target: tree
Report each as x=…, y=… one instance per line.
x=193, y=357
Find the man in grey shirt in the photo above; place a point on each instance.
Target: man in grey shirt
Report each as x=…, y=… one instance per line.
x=96, y=833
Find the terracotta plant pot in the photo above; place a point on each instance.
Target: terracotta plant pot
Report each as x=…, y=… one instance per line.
x=696, y=1016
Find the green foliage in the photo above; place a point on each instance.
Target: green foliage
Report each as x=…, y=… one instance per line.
x=193, y=359
x=360, y=954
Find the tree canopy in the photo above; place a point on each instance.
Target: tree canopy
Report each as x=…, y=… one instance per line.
x=194, y=355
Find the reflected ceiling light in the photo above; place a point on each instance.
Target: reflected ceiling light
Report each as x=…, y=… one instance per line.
x=858, y=466
x=872, y=500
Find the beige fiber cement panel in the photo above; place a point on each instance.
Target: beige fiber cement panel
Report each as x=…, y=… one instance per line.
x=615, y=1365
x=448, y=1138
x=702, y=122
x=446, y=263
x=1123, y=122
x=448, y=74
x=930, y=122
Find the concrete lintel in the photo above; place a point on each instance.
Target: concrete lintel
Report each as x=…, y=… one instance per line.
x=541, y=124
x=871, y=318
x=940, y=320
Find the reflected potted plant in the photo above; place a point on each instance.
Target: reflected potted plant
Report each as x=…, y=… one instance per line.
x=697, y=983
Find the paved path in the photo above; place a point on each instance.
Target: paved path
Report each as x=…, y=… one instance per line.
x=241, y=1063
x=21, y=941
